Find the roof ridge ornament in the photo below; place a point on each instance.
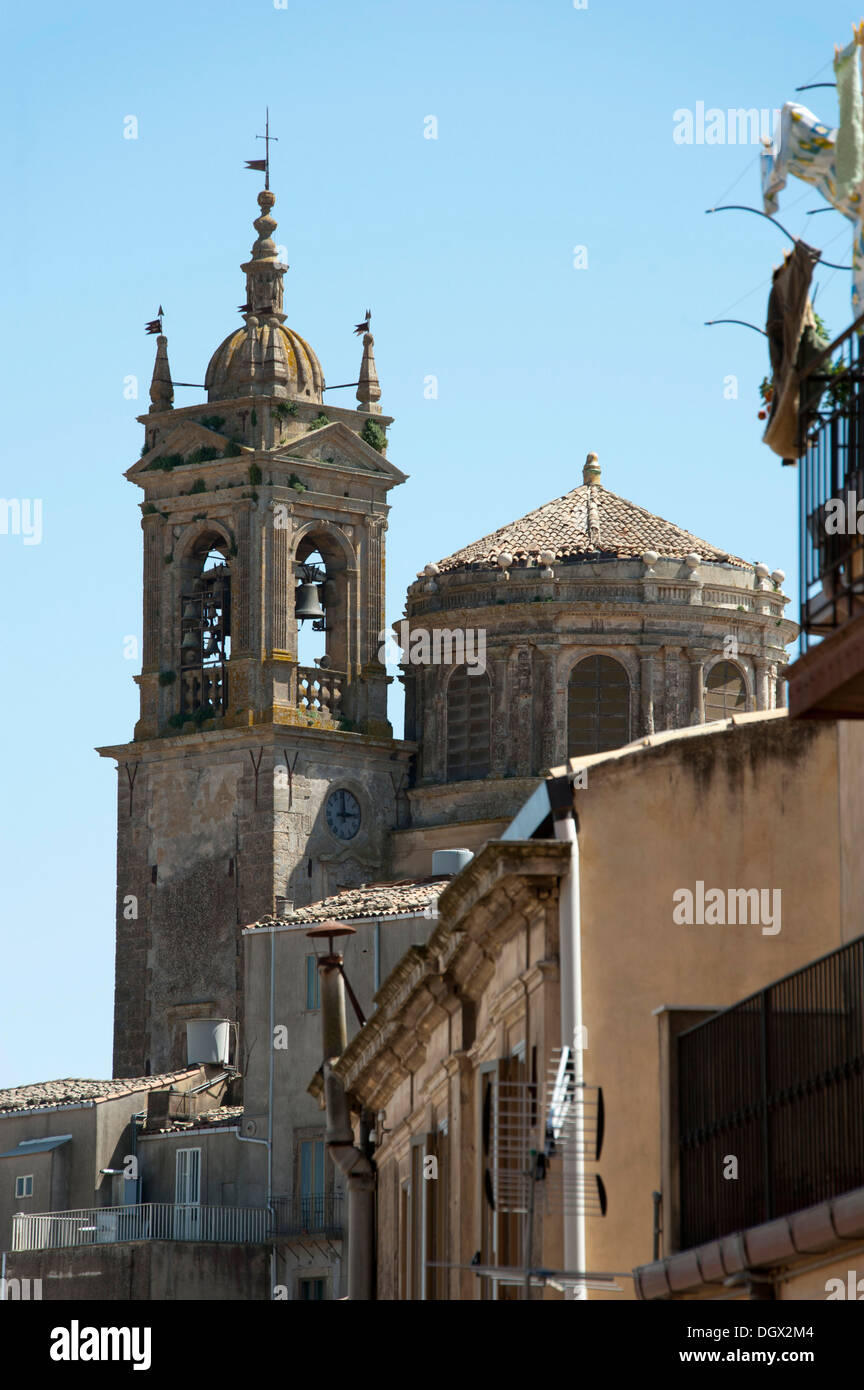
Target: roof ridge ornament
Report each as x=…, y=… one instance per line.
x=591, y=471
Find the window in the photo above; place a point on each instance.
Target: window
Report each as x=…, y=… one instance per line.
x=468, y=728
x=312, y=1289
x=24, y=1186
x=725, y=692
x=312, y=1183
x=504, y=1125
x=598, y=706
x=313, y=997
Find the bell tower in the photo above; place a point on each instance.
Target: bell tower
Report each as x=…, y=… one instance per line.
x=253, y=781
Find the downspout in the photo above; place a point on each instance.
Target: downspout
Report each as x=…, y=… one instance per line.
x=268, y=1142
x=570, y=959
x=350, y=1159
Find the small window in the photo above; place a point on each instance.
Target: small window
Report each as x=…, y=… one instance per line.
x=313, y=997
x=24, y=1186
x=725, y=692
x=312, y=1289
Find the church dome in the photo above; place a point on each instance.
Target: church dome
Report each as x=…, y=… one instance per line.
x=264, y=358
x=589, y=523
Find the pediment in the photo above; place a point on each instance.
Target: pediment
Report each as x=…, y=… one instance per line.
x=186, y=436
x=337, y=446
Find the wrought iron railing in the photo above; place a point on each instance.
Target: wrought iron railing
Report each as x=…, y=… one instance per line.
x=771, y=1100
x=59, y=1230
x=320, y=690
x=318, y=1213
x=831, y=483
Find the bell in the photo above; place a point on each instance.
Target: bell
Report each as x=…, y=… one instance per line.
x=189, y=641
x=190, y=612
x=307, y=603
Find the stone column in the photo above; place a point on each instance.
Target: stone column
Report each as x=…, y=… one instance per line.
x=761, y=668
x=646, y=688
x=499, y=733
x=280, y=587
x=780, y=687
x=697, y=657
x=154, y=581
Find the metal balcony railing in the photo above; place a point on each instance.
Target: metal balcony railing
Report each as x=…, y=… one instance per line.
x=831, y=421
x=319, y=1213
x=777, y=1083
x=147, y=1221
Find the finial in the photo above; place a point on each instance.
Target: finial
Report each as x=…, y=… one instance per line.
x=591, y=471
x=161, y=385
x=368, y=389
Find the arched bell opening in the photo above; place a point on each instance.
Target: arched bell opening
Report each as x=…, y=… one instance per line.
x=320, y=611
x=205, y=627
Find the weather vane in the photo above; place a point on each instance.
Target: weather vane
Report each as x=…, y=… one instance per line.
x=264, y=164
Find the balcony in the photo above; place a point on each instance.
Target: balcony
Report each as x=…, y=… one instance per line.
x=828, y=679
x=318, y=1214
x=147, y=1221
x=778, y=1081
x=320, y=691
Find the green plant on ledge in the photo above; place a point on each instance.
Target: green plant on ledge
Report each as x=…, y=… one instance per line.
x=205, y=454
x=255, y=474
x=169, y=557
x=148, y=509
x=282, y=409
x=374, y=435
x=212, y=422
x=199, y=485
x=231, y=450
x=167, y=677
x=297, y=484
x=318, y=423
x=253, y=418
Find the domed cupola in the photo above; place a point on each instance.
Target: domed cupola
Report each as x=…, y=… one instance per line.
x=265, y=358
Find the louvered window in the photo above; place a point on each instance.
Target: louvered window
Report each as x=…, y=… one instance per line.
x=725, y=692
x=598, y=706
x=468, y=742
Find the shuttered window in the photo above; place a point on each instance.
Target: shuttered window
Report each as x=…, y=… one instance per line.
x=725, y=692
x=598, y=706
x=468, y=738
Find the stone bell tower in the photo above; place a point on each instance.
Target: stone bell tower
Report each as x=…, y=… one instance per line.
x=252, y=781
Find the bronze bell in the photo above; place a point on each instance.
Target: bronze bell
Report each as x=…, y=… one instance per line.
x=307, y=603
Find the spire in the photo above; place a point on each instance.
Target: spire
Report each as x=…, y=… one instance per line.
x=264, y=272
x=368, y=390
x=161, y=385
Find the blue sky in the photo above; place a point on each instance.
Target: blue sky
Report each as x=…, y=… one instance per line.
x=554, y=131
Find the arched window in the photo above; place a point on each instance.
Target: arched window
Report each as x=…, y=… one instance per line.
x=468, y=737
x=725, y=692
x=598, y=706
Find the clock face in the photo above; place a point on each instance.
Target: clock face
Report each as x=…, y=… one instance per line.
x=343, y=814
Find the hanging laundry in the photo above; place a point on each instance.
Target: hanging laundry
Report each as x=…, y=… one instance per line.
x=793, y=342
x=832, y=161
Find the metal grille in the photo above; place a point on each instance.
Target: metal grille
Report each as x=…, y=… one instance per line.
x=565, y=1126
x=832, y=423
x=725, y=692
x=777, y=1083
x=598, y=706
x=468, y=738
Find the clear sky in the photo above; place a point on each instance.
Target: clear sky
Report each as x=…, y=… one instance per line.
x=554, y=131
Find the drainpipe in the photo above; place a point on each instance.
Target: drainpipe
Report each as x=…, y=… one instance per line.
x=350, y=1159
x=570, y=959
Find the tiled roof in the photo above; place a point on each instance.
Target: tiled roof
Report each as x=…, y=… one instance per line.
x=72, y=1091
x=373, y=900
x=589, y=522
x=218, y=1118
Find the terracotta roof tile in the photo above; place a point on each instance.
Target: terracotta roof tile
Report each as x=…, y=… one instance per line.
x=588, y=523
x=372, y=900
x=72, y=1091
